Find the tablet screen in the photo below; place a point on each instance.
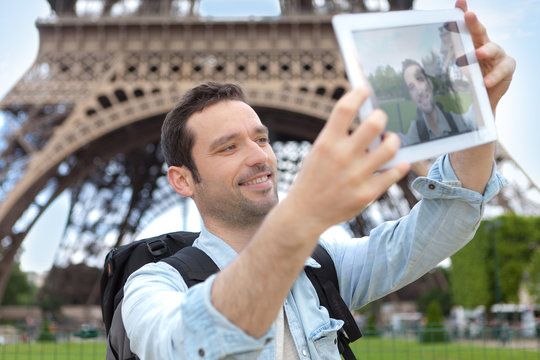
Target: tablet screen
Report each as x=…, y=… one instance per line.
x=422, y=70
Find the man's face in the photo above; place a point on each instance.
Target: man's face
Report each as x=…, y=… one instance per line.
x=420, y=88
x=236, y=163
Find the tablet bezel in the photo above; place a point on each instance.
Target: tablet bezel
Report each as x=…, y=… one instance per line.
x=345, y=25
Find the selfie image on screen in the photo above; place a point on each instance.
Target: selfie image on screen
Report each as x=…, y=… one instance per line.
x=420, y=79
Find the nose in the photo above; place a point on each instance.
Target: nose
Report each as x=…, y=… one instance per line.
x=256, y=154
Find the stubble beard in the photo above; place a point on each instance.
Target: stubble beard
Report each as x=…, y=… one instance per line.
x=236, y=210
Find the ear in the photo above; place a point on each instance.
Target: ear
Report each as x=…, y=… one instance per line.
x=181, y=180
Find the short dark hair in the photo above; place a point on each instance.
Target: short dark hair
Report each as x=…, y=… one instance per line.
x=408, y=63
x=176, y=139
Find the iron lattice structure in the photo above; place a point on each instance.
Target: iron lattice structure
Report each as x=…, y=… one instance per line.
x=86, y=116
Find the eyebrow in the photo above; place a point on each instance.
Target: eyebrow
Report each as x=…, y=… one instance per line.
x=226, y=138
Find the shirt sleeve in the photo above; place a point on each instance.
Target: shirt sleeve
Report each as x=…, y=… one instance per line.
x=166, y=320
x=399, y=252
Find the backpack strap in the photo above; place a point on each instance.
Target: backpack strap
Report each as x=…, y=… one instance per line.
x=421, y=126
x=193, y=264
x=449, y=120
x=124, y=260
x=325, y=281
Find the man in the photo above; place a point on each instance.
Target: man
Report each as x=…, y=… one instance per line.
x=433, y=122
x=261, y=304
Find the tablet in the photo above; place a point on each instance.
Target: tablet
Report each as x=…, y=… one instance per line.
x=423, y=72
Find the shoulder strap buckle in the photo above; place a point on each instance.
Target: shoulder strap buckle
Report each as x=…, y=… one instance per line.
x=157, y=248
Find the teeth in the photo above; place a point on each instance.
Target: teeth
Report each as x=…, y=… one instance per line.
x=257, y=181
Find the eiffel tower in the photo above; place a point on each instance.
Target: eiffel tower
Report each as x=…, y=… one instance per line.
x=86, y=116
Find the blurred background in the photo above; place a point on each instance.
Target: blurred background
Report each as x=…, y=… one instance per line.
x=85, y=86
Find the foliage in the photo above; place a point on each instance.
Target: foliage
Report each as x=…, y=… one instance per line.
x=19, y=290
x=434, y=330
x=388, y=84
x=483, y=274
x=73, y=284
x=371, y=327
x=533, y=270
x=442, y=297
x=46, y=334
x=50, y=303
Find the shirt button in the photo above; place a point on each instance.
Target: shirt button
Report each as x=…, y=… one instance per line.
x=304, y=352
x=431, y=186
x=201, y=352
x=267, y=341
x=335, y=341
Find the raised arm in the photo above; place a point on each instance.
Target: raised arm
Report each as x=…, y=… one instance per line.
x=337, y=181
x=473, y=166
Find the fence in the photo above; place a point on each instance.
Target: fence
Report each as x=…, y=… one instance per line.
x=485, y=344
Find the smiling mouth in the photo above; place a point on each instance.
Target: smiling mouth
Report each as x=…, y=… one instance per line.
x=256, y=180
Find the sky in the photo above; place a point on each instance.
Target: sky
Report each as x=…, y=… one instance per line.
x=390, y=47
x=515, y=25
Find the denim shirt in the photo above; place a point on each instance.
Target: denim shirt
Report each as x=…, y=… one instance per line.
x=166, y=320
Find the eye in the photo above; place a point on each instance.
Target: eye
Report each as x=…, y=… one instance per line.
x=262, y=140
x=228, y=148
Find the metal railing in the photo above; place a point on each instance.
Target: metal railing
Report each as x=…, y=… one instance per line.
x=411, y=344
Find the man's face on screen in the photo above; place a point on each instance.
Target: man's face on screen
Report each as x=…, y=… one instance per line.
x=420, y=88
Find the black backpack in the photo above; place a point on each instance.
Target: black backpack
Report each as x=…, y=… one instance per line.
x=195, y=266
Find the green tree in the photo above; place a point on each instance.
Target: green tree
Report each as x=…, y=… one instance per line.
x=434, y=330
x=388, y=84
x=533, y=271
x=469, y=277
x=491, y=267
x=19, y=290
x=444, y=298
x=371, y=326
x=46, y=334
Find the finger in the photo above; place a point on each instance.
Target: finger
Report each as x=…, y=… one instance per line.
x=503, y=71
x=477, y=30
x=344, y=112
x=462, y=4
x=491, y=52
x=451, y=26
x=462, y=61
x=380, y=182
x=487, y=52
x=383, y=153
x=370, y=128
x=498, y=66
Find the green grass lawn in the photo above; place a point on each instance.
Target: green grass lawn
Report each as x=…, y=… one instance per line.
x=367, y=348
x=397, y=349
x=88, y=350
x=407, y=110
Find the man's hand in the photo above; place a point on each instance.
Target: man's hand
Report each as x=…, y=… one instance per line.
x=338, y=177
x=473, y=166
x=336, y=182
x=497, y=67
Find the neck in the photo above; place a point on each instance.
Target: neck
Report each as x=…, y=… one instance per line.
x=432, y=120
x=235, y=235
